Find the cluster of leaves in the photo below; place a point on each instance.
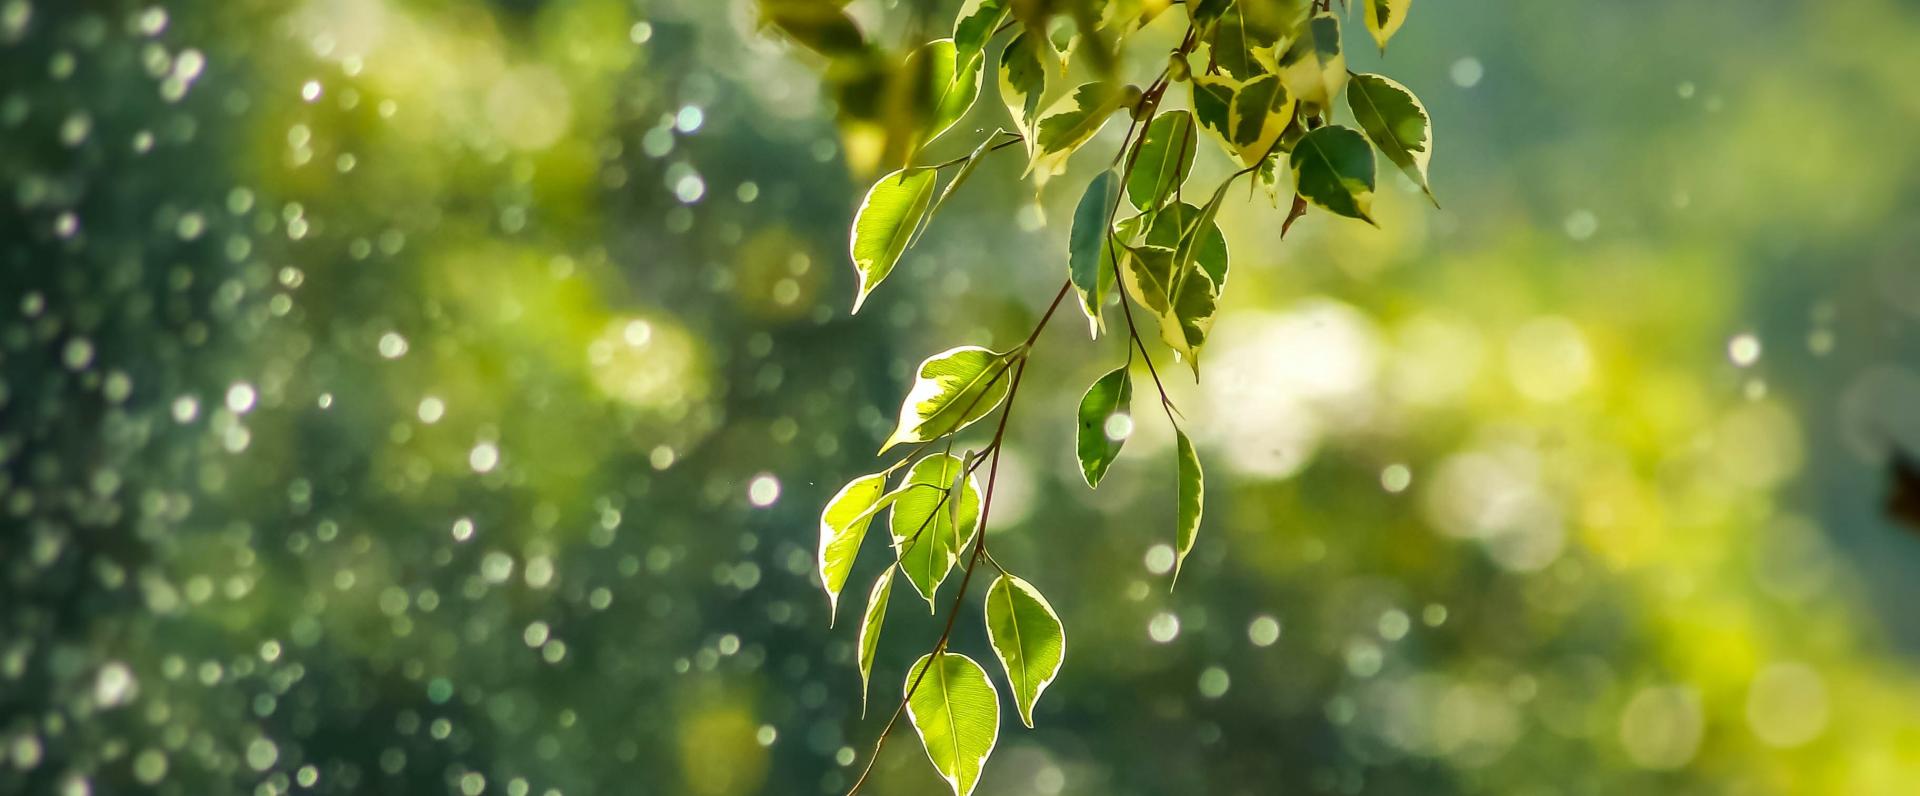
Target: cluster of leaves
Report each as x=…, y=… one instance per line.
x=1264, y=79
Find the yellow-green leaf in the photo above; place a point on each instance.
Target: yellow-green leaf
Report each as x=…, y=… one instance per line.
x=843, y=523
x=929, y=526
x=951, y=390
x=1261, y=111
x=1024, y=68
x=870, y=630
x=1097, y=442
x=1166, y=155
x=883, y=225
x=972, y=27
x=1397, y=123
x=1333, y=168
x=1028, y=638
x=1384, y=18
x=1191, y=491
x=1314, y=67
x=1069, y=122
x=956, y=711
x=819, y=25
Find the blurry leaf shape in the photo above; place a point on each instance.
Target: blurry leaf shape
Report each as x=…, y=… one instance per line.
x=1246, y=47
x=953, y=389
x=954, y=89
x=843, y=524
x=1191, y=494
x=956, y=711
x=1903, y=499
x=870, y=630
x=1333, y=169
x=1086, y=244
x=1024, y=66
x=972, y=27
x=925, y=96
x=923, y=530
x=1069, y=122
x=1166, y=155
x=1396, y=122
x=1204, y=12
x=884, y=224
x=819, y=25
x=1314, y=65
x=1028, y=638
x=1262, y=109
x=1268, y=175
x=1384, y=18
x=1110, y=394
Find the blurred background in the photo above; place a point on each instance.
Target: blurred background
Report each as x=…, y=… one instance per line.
x=423, y=396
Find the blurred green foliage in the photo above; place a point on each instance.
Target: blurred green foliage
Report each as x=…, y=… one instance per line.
x=414, y=396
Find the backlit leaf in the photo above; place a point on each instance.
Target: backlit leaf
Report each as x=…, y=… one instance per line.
x=843, y=523
x=1396, y=122
x=1314, y=66
x=923, y=525
x=956, y=711
x=951, y=390
x=1069, y=122
x=1213, y=107
x=1245, y=46
x=1027, y=636
x=1262, y=109
x=1384, y=18
x=819, y=25
x=870, y=630
x=1025, y=66
x=883, y=225
x=1086, y=244
x=972, y=27
x=1094, y=441
x=1333, y=168
x=1166, y=155
x=1191, y=491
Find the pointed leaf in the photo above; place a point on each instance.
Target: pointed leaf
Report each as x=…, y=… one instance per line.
x=1314, y=66
x=883, y=225
x=1384, y=18
x=1095, y=443
x=1166, y=155
x=1396, y=122
x=1086, y=243
x=956, y=711
x=922, y=522
x=1069, y=122
x=870, y=630
x=842, y=525
x=1333, y=168
x=954, y=388
x=1024, y=68
x=972, y=27
x=1027, y=636
x=1192, y=492
x=1189, y=317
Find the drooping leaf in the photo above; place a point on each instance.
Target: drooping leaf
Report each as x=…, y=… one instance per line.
x=1191, y=491
x=870, y=630
x=952, y=389
x=1166, y=155
x=972, y=27
x=884, y=224
x=1261, y=111
x=1384, y=18
x=819, y=25
x=1213, y=107
x=1086, y=244
x=1396, y=122
x=1025, y=65
x=1314, y=66
x=1027, y=636
x=1069, y=122
x=923, y=525
x=956, y=711
x=1094, y=442
x=953, y=87
x=843, y=523
x=1188, y=320
x=1333, y=168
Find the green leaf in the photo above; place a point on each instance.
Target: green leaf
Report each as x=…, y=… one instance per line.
x=1314, y=66
x=1207, y=11
x=1191, y=493
x=884, y=223
x=1397, y=123
x=1197, y=234
x=1333, y=169
x=870, y=630
x=1111, y=395
x=1262, y=109
x=1166, y=155
x=843, y=523
x=923, y=521
x=1069, y=122
x=953, y=389
x=1149, y=274
x=1177, y=222
x=1384, y=18
x=1188, y=319
x=972, y=27
x=1027, y=636
x=952, y=88
x=1213, y=107
x=819, y=25
x=1245, y=47
x=1086, y=244
x=1024, y=67
x=956, y=711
